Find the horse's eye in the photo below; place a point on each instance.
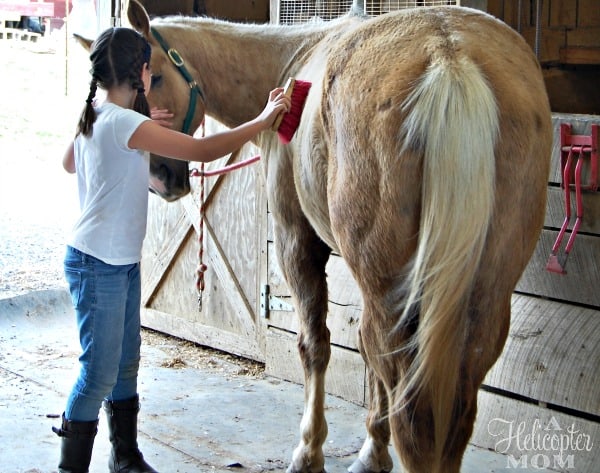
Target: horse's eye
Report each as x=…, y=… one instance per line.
x=155, y=80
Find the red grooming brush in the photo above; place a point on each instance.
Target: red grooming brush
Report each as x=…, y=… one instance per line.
x=286, y=124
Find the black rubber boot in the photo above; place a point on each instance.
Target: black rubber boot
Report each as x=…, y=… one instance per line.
x=77, y=441
x=125, y=456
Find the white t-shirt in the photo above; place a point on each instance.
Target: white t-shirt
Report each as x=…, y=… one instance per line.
x=112, y=180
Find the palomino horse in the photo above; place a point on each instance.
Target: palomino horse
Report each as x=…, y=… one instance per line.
x=422, y=157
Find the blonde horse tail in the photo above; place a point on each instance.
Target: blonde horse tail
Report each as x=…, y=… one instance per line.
x=452, y=121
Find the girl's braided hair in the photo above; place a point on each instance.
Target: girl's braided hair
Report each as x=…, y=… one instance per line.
x=117, y=57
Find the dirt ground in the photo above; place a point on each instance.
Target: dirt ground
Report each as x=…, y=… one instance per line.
x=38, y=200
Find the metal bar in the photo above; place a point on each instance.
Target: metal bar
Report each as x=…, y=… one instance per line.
x=538, y=28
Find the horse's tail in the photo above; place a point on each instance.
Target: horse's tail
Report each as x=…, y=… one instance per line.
x=452, y=121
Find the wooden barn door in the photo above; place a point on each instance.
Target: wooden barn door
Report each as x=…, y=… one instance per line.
x=228, y=318
x=234, y=236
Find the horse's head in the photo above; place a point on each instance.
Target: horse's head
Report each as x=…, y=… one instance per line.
x=169, y=177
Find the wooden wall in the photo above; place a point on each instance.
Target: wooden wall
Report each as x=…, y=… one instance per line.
x=172, y=7
x=568, y=47
x=255, y=11
x=570, y=29
x=252, y=11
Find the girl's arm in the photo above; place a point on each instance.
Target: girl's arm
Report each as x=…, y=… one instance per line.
x=151, y=136
x=68, y=161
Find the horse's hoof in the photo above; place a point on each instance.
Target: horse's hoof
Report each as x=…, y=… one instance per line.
x=291, y=469
x=359, y=467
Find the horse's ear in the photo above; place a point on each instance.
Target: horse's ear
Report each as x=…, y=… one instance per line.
x=138, y=18
x=86, y=43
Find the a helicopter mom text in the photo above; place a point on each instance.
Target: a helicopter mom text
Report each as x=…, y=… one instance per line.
x=539, y=445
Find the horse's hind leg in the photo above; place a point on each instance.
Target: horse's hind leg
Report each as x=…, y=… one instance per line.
x=374, y=456
x=303, y=256
x=411, y=427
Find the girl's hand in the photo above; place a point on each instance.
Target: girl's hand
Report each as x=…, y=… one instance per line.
x=278, y=103
x=162, y=116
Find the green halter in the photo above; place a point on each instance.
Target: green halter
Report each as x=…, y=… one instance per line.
x=195, y=90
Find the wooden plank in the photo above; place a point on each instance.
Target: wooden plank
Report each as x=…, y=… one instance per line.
x=589, y=36
x=552, y=355
x=579, y=55
x=345, y=376
x=551, y=40
x=555, y=210
x=563, y=13
x=517, y=429
x=579, y=285
x=177, y=295
x=478, y=4
x=156, y=266
x=514, y=15
x=262, y=257
x=573, y=90
x=582, y=281
x=200, y=333
x=168, y=260
x=255, y=11
x=496, y=8
x=530, y=9
x=162, y=8
x=235, y=216
x=588, y=14
x=218, y=262
x=168, y=228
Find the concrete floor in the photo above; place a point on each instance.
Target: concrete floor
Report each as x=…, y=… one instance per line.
x=192, y=419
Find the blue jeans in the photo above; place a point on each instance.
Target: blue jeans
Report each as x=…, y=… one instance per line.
x=107, y=302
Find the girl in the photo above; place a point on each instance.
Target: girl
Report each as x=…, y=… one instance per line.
x=103, y=253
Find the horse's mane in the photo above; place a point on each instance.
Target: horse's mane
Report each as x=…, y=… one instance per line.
x=314, y=25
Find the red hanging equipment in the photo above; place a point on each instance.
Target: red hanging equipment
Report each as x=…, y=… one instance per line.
x=574, y=151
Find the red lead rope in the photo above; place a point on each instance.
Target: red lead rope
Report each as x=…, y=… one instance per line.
x=201, y=173
x=201, y=269
x=194, y=172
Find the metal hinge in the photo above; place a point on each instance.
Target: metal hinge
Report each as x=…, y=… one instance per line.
x=269, y=303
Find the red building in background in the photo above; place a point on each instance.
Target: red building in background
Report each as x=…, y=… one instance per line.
x=53, y=12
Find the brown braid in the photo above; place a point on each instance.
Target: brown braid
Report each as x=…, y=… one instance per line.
x=88, y=116
x=140, y=103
